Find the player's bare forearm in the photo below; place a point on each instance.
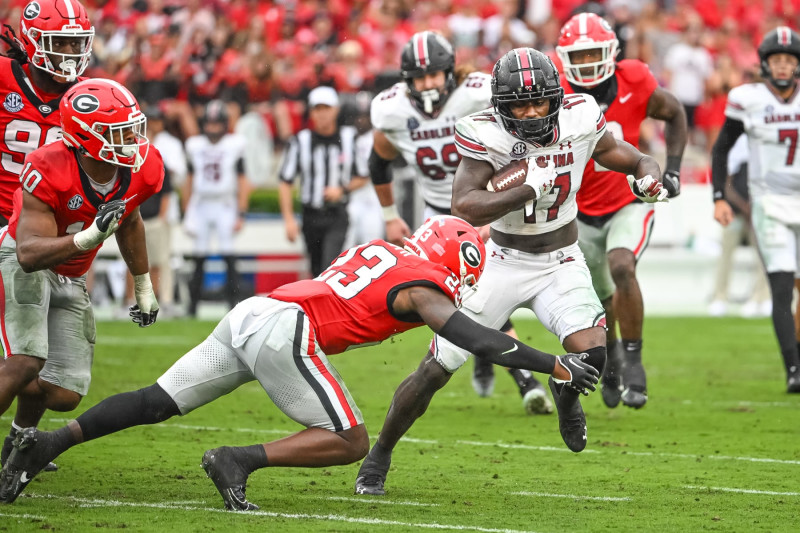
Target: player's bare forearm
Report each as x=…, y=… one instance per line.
x=621, y=156
x=131, y=242
x=385, y=194
x=664, y=106
x=472, y=202
x=439, y=313
x=38, y=245
x=243, y=193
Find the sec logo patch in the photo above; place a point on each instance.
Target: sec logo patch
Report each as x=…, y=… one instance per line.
x=13, y=102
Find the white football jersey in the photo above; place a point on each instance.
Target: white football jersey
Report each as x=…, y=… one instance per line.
x=426, y=143
x=772, y=128
x=214, y=165
x=580, y=125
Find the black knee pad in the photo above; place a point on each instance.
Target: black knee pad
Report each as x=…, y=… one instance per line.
x=597, y=357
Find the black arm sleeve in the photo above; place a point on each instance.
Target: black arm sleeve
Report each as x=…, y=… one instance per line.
x=730, y=131
x=379, y=169
x=494, y=346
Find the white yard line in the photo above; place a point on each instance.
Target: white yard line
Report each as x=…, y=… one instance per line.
x=380, y=501
x=573, y=496
x=504, y=445
x=743, y=491
x=94, y=502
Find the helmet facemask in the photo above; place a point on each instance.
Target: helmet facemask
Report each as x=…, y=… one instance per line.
x=45, y=56
x=540, y=129
x=589, y=74
x=122, y=142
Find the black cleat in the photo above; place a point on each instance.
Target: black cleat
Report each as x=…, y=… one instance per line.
x=8, y=444
x=634, y=396
x=483, y=377
x=571, y=418
x=31, y=454
x=229, y=478
x=793, y=380
x=371, y=477
x=612, y=377
x=634, y=380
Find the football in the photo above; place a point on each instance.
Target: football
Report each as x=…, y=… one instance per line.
x=510, y=176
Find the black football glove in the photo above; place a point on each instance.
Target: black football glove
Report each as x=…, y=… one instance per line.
x=672, y=183
x=109, y=213
x=105, y=223
x=582, y=375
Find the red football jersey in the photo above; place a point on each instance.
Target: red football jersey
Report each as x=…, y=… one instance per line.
x=604, y=191
x=348, y=303
x=26, y=123
x=52, y=174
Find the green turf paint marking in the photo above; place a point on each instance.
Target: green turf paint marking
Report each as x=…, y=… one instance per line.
x=573, y=496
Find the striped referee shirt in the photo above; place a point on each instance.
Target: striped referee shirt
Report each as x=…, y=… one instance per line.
x=320, y=161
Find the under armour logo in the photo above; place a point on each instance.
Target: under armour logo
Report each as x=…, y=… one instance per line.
x=568, y=143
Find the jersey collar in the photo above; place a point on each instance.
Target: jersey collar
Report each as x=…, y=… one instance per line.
x=91, y=194
x=44, y=108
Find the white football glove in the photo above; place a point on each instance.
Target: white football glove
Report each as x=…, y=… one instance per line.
x=145, y=311
x=104, y=225
x=648, y=189
x=540, y=179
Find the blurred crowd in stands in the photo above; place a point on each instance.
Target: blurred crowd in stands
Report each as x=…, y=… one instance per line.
x=267, y=55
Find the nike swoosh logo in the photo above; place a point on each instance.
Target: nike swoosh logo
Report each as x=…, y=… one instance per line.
x=514, y=349
x=623, y=99
x=126, y=200
x=24, y=477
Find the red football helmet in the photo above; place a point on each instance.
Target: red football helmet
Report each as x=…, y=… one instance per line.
x=102, y=119
x=44, y=21
x=452, y=243
x=587, y=31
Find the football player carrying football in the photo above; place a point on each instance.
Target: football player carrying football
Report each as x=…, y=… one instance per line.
x=369, y=293
x=74, y=195
x=49, y=55
x=769, y=113
x=415, y=119
x=534, y=261
x=614, y=226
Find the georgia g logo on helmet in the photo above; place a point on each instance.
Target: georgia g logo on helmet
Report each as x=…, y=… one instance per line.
x=85, y=103
x=471, y=254
x=32, y=11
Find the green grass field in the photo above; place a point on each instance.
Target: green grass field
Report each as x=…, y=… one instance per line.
x=716, y=448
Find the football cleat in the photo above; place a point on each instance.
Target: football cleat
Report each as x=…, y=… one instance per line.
x=571, y=418
x=483, y=377
x=634, y=381
x=634, y=396
x=371, y=477
x=30, y=455
x=793, y=381
x=6, y=451
x=536, y=402
x=229, y=478
x=612, y=376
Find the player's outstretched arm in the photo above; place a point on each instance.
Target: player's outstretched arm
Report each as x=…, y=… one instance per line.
x=439, y=313
x=472, y=202
x=644, y=174
x=663, y=105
